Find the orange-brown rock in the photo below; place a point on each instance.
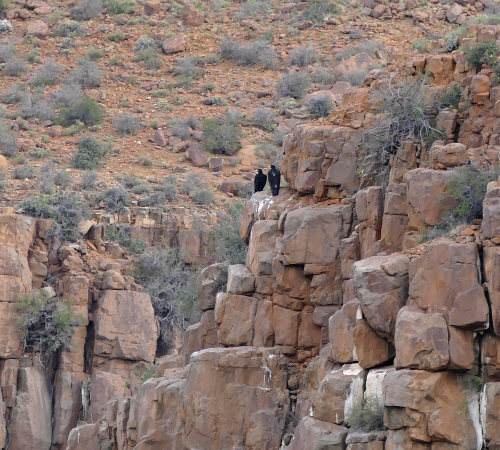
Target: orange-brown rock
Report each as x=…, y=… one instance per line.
x=431, y=407
x=445, y=278
x=174, y=44
x=382, y=289
x=427, y=198
x=490, y=357
x=369, y=209
x=371, y=349
x=461, y=345
x=245, y=399
x=338, y=392
x=490, y=414
x=234, y=317
x=30, y=424
x=341, y=333
x=261, y=247
x=105, y=386
x=312, y=235
x=491, y=212
x=240, y=280
x=208, y=283
x=199, y=336
x=84, y=437
x=159, y=412
x=450, y=155
x=125, y=326
x=421, y=340
x=313, y=433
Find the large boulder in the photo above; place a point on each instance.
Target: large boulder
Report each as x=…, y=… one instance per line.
x=234, y=316
x=312, y=235
x=445, y=277
x=208, y=283
x=174, y=44
x=315, y=434
x=261, y=247
x=30, y=424
x=341, y=327
x=434, y=408
x=235, y=398
x=421, y=340
x=200, y=335
x=84, y=437
x=240, y=280
x=427, y=197
x=382, y=289
x=491, y=212
x=125, y=326
x=338, y=392
x=159, y=412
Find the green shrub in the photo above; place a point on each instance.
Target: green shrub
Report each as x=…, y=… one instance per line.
x=70, y=29
x=116, y=36
x=304, y=56
x=36, y=106
x=320, y=105
x=89, y=179
x=4, y=6
x=172, y=288
x=120, y=234
x=86, y=10
x=192, y=183
x=46, y=75
x=8, y=141
x=245, y=190
x=146, y=50
x=221, y=136
x=14, y=67
x=254, y=7
x=467, y=188
x=126, y=123
x=482, y=53
x=62, y=178
x=355, y=78
x=169, y=191
x=115, y=200
x=7, y=51
x=367, y=415
x=15, y=94
x=145, y=161
x=66, y=209
x=203, y=197
x=23, y=172
x=120, y=6
x=85, y=109
x=258, y=52
x=182, y=127
x=47, y=323
x=225, y=243
x=86, y=74
x=293, y=84
x=67, y=95
x=90, y=153
x=264, y=118
x=319, y=10
x=451, y=97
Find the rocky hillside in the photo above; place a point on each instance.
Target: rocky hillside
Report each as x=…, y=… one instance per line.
x=367, y=312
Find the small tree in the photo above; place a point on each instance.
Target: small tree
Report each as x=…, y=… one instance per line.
x=90, y=153
x=47, y=323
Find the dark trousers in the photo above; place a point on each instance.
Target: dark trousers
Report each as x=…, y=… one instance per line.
x=275, y=190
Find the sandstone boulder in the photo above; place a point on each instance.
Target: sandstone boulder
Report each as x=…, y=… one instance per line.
x=245, y=399
x=453, y=12
x=450, y=155
x=105, y=386
x=432, y=408
x=491, y=213
x=159, y=413
x=382, y=289
x=261, y=247
x=200, y=335
x=37, y=28
x=196, y=155
x=240, y=280
x=312, y=235
x=84, y=437
x=125, y=326
x=338, y=392
x=427, y=198
x=234, y=316
x=30, y=425
x=445, y=277
x=174, y=44
x=208, y=283
x=318, y=435
x=421, y=340
x=341, y=333
x=159, y=139
x=371, y=350
x=191, y=17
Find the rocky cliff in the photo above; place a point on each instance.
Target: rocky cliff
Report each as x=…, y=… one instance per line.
x=337, y=307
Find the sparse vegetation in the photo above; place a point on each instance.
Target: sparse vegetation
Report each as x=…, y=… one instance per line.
x=482, y=53
x=23, y=172
x=84, y=109
x=120, y=6
x=70, y=29
x=293, y=84
x=89, y=179
x=318, y=10
x=90, y=153
x=86, y=10
x=46, y=75
x=254, y=7
x=258, y=52
x=87, y=74
x=66, y=209
x=8, y=141
x=225, y=242
x=171, y=286
x=14, y=67
x=264, y=118
x=222, y=136
x=320, y=105
x=304, y=56
x=115, y=200
x=47, y=323
x=126, y=123
x=120, y=234
x=367, y=415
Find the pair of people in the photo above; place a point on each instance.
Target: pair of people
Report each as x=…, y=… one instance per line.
x=273, y=176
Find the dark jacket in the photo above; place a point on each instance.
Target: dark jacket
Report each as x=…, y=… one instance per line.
x=259, y=181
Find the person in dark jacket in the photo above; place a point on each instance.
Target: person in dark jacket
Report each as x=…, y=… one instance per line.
x=274, y=177
x=259, y=181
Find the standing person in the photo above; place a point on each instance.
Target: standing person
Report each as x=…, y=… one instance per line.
x=259, y=181
x=274, y=177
